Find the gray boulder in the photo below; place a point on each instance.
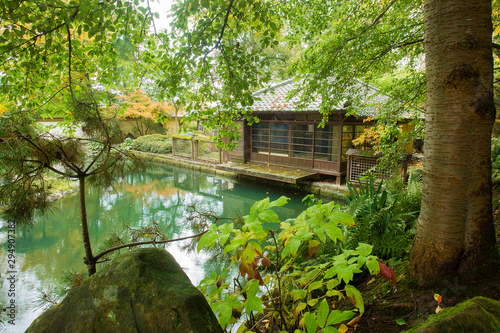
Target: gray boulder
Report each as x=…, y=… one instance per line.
x=141, y=290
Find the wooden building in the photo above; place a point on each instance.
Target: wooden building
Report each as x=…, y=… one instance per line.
x=289, y=136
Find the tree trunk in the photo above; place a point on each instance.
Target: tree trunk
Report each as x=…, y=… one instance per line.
x=89, y=258
x=455, y=233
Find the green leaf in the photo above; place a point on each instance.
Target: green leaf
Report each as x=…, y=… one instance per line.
x=400, y=321
x=320, y=233
x=337, y=316
x=332, y=284
x=253, y=303
x=331, y=293
x=340, y=217
x=205, y=3
x=334, y=232
x=279, y=202
x=312, y=301
x=330, y=329
x=309, y=276
x=310, y=323
x=322, y=313
x=225, y=230
x=301, y=306
x=231, y=246
x=291, y=247
x=372, y=264
x=255, y=227
x=206, y=240
x=315, y=285
x=225, y=315
x=355, y=297
x=262, y=205
x=298, y=294
x=364, y=249
x=269, y=216
x=343, y=271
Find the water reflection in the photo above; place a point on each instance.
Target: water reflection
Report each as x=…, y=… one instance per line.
x=53, y=245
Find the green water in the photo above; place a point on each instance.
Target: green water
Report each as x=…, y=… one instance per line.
x=54, y=244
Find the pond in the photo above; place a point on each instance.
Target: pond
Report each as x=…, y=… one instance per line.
x=53, y=246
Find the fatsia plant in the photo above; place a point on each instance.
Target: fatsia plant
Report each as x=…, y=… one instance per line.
x=265, y=283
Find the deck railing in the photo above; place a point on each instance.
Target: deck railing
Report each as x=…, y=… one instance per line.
x=196, y=148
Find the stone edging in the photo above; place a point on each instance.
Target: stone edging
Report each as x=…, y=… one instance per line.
x=318, y=188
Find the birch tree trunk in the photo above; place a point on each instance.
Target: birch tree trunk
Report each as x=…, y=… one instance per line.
x=455, y=232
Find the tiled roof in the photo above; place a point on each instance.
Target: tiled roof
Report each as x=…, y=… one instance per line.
x=274, y=99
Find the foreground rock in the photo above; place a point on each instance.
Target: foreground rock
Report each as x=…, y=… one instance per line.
x=142, y=290
x=479, y=315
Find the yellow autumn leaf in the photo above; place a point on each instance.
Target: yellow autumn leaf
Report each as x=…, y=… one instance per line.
x=343, y=328
x=371, y=281
x=438, y=298
x=438, y=309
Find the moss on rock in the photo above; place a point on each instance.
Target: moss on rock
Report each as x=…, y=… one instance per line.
x=479, y=314
x=142, y=290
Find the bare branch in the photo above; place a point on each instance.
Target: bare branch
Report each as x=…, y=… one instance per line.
x=103, y=253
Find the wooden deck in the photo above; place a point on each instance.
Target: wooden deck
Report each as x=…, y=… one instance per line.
x=280, y=173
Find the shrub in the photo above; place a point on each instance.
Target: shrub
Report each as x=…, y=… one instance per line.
x=271, y=291
x=127, y=144
x=155, y=143
x=384, y=219
x=94, y=146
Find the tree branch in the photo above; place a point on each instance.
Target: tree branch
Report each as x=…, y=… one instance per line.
x=103, y=253
x=70, y=49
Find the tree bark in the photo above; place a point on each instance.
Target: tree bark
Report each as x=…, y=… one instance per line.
x=89, y=259
x=455, y=233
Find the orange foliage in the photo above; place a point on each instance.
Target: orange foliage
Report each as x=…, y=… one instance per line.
x=137, y=105
x=371, y=136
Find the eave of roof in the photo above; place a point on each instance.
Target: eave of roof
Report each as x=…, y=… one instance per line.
x=274, y=99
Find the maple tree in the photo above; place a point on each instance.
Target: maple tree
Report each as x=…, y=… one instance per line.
x=145, y=115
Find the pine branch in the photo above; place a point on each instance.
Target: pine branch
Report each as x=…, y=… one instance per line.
x=103, y=253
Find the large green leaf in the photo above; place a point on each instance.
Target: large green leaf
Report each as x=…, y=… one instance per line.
x=310, y=322
x=338, y=316
x=269, y=216
x=322, y=313
x=253, y=303
x=355, y=297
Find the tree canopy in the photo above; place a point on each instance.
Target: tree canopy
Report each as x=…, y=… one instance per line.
x=54, y=48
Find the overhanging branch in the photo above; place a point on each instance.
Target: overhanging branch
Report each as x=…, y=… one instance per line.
x=103, y=253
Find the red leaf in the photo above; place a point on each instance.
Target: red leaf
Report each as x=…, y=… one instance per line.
x=245, y=269
x=387, y=273
x=258, y=277
x=265, y=262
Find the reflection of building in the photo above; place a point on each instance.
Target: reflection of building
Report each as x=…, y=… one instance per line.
x=289, y=135
x=241, y=197
x=199, y=184
x=236, y=198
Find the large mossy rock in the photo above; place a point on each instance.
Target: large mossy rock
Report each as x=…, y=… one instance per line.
x=478, y=315
x=142, y=290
